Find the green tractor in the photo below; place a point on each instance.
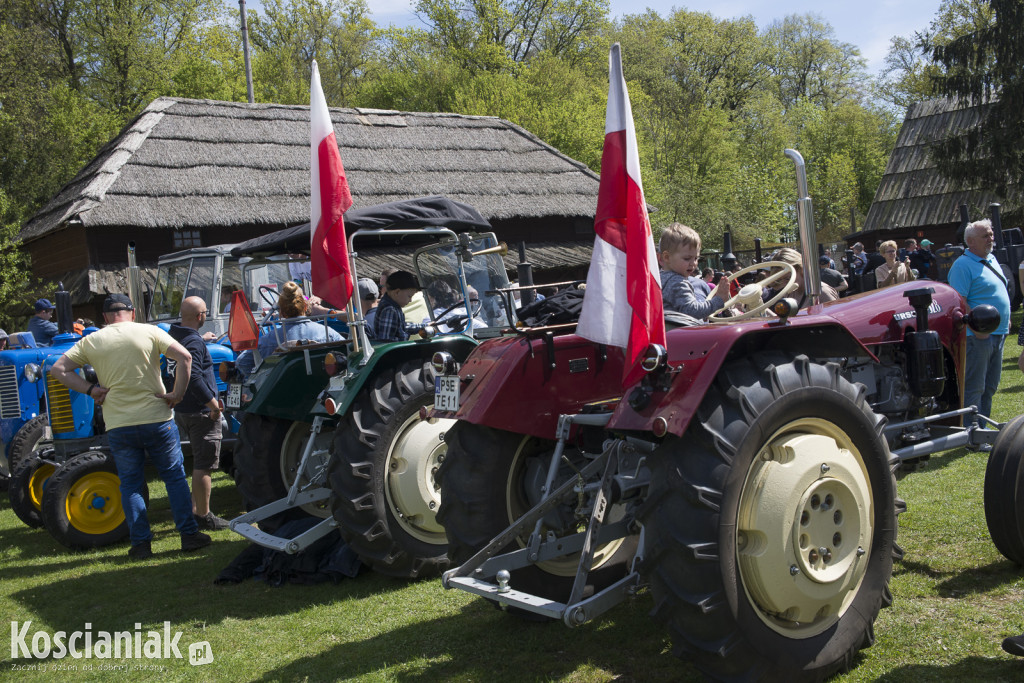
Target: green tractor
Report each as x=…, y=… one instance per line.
x=334, y=429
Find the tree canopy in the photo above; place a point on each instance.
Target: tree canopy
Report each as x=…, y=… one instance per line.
x=983, y=67
x=715, y=100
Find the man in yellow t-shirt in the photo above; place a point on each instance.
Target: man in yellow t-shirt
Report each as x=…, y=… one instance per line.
x=138, y=414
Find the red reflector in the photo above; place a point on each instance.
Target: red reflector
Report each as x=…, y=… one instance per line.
x=330, y=406
x=223, y=371
x=660, y=427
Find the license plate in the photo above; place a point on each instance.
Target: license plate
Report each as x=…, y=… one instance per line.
x=446, y=393
x=234, y=396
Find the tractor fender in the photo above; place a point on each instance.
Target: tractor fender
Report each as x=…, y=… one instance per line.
x=522, y=383
x=343, y=389
x=286, y=385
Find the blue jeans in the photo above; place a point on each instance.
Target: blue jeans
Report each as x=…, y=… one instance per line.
x=129, y=446
x=984, y=367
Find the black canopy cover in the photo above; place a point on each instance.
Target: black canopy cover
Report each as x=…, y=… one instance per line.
x=422, y=212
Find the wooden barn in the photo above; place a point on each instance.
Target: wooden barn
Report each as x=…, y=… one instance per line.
x=200, y=172
x=913, y=198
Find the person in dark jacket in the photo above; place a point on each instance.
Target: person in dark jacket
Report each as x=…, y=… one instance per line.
x=41, y=324
x=198, y=414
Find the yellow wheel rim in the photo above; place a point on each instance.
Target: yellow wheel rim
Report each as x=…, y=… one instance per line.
x=37, y=482
x=804, y=527
x=93, y=503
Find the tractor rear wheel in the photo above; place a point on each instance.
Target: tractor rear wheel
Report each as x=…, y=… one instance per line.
x=33, y=434
x=1004, y=491
x=27, y=485
x=260, y=463
x=82, y=503
x=383, y=491
x=771, y=524
x=490, y=478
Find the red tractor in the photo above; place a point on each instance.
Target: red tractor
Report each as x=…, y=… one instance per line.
x=749, y=479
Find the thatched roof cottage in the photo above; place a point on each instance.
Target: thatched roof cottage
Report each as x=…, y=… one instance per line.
x=200, y=172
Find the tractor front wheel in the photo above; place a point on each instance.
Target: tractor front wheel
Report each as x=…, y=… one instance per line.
x=383, y=491
x=82, y=503
x=772, y=523
x=32, y=435
x=27, y=486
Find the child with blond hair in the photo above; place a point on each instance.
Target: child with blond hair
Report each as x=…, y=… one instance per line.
x=679, y=249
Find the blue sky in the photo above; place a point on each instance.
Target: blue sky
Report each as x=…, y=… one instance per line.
x=868, y=24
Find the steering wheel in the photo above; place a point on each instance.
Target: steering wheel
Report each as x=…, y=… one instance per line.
x=474, y=310
x=269, y=294
x=750, y=295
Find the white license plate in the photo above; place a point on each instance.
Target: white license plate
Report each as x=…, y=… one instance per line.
x=446, y=393
x=234, y=396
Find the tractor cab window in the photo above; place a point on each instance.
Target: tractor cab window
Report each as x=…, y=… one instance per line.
x=262, y=279
x=437, y=270
x=180, y=279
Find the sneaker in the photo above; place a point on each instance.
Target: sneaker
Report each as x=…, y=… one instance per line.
x=140, y=551
x=211, y=522
x=195, y=541
x=1014, y=645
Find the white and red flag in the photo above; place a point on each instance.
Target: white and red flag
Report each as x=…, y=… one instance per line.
x=329, y=199
x=622, y=306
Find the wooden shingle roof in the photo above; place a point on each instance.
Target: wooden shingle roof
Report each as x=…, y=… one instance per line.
x=200, y=163
x=912, y=193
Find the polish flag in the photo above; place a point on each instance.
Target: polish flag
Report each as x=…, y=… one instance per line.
x=622, y=306
x=329, y=199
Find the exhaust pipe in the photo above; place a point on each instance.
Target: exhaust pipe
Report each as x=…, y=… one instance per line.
x=808, y=236
x=135, y=285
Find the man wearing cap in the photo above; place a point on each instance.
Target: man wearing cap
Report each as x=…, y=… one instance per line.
x=830, y=276
x=137, y=412
x=368, y=296
x=921, y=258
x=389, y=321
x=41, y=326
x=3, y=340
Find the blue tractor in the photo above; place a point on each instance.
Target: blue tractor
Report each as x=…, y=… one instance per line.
x=63, y=477
x=23, y=422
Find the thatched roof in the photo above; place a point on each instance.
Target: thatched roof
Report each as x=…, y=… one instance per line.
x=913, y=193
x=201, y=163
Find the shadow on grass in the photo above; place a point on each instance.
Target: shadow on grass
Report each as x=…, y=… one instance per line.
x=906, y=566
x=482, y=643
x=969, y=669
x=980, y=579
x=116, y=590
x=975, y=580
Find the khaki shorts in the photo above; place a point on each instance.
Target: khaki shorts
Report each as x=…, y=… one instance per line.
x=204, y=434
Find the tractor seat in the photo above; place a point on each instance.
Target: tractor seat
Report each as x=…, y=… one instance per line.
x=21, y=340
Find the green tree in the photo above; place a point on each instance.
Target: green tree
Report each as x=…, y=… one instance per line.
x=909, y=70
x=809, y=63
x=497, y=35
x=984, y=68
x=290, y=35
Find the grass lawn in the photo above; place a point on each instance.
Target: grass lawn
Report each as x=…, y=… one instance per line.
x=956, y=598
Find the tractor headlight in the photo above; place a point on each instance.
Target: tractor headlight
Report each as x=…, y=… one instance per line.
x=655, y=357
x=33, y=372
x=444, y=363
